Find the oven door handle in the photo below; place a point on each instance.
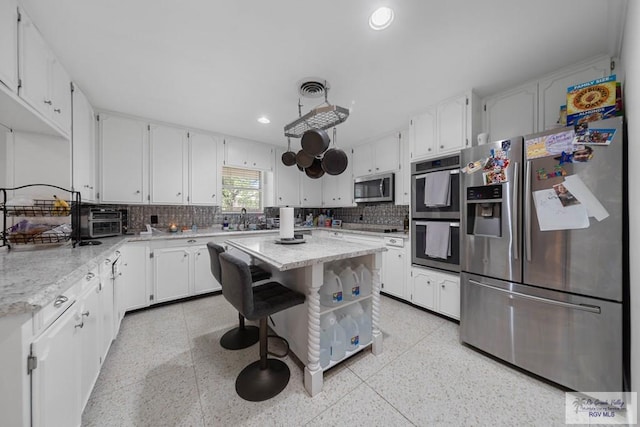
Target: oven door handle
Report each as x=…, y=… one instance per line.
x=451, y=224
x=424, y=175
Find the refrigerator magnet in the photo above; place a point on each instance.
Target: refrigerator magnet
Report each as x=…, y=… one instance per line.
x=582, y=153
x=595, y=137
x=558, y=170
x=473, y=166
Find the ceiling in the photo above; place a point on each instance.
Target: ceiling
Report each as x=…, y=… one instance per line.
x=218, y=65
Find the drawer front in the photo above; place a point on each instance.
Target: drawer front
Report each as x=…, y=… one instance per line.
x=53, y=310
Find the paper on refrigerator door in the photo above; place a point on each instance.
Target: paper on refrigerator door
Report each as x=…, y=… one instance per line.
x=552, y=215
x=577, y=187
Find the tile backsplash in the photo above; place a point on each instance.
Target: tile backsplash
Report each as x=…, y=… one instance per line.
x=386, y=214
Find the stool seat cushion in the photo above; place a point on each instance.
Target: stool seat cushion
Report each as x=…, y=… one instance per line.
x=270, y=298
x=257, y=302
x=258, y=273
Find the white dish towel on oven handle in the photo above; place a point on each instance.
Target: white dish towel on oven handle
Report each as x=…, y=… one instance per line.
x=437, y=189
x=438, y=239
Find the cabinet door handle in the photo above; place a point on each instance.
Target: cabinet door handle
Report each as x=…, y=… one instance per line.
x=81, y=325
x=56, y=110
x=61, y=299
x=138, y=192
x=90, y=276
x=48, y=102
x=213, y=196
x=178, y=194
x=191, y=241
x=85, y=314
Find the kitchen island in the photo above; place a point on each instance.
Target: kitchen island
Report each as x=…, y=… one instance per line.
x=301, y=267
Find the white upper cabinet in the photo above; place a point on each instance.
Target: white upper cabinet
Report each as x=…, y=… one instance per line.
x=9, y=44
x=403, y=177
x=363, y=160
x=450, y=126
x=34, y=67
x=45, y=84
x=204, y=184
x=83, y=140
x=511, y=113
x=337, y=190
x=378, y=156
x=535, y=106
x=454, y=124
x=248, y=154
x=287, y=183
x=422, y=135
x=60, y=90
x=168, y=154
x=124, y=174
x=552, y=90
x=311, y=191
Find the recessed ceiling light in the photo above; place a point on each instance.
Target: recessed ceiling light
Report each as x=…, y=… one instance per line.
x=264, y=120
x=381, y=18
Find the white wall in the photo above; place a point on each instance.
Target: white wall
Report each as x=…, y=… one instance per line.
x=631, y=61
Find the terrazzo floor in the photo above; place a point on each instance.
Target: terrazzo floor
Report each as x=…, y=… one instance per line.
x=166, y=368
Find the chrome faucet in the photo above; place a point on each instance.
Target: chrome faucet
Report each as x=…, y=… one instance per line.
x=243, y=218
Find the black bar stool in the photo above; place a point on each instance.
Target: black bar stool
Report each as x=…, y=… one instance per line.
x=242, y=336
x=265, y=378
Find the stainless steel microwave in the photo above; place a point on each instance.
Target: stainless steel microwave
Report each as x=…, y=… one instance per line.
x=374, y=188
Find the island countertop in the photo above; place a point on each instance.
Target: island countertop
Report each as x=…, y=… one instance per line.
x=314, y=250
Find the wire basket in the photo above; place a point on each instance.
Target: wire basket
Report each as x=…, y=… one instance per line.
x=39, y=208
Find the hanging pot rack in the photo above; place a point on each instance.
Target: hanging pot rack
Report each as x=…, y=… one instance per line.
x=322, y=117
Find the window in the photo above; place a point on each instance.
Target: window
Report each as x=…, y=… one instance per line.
x=241, y=188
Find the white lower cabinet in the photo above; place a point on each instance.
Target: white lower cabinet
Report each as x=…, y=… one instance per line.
x=171, y=273
x=55, y=382
x=436, y=291
x=394, y=267
x=203, y=280
x=182, y=271
x=107, y=308
x=131, y=287
x=90, y=335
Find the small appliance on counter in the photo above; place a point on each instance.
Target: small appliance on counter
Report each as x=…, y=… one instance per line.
x=96, y=222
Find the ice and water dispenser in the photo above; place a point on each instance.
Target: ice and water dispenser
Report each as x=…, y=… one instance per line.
x=484, y=210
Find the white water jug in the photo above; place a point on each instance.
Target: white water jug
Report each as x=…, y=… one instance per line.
x=365, y=279
x=350, y=283
x=363, y=320
x=337, y=338
x=331, y=289
x=325, y=348
x=351, y=331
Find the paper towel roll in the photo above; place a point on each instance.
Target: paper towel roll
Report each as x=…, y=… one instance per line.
x=286, y=223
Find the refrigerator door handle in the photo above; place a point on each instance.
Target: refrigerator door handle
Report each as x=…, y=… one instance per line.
x=527, y=210
x=514, y=213
x=583, y=307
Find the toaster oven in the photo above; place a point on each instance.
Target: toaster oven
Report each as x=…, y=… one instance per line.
x=100, y=222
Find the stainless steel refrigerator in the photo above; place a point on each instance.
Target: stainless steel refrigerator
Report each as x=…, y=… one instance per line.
x=544, y=271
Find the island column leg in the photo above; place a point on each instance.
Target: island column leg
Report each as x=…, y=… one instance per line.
x=376, y=346
x=313, y=372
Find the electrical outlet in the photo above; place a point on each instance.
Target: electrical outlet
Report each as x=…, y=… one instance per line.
x=154, y=219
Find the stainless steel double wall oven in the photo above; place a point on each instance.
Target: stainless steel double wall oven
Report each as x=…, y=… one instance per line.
x=423, y=212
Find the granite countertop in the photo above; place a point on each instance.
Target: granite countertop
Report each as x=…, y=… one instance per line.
x=32, y=278
x=314, y=250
